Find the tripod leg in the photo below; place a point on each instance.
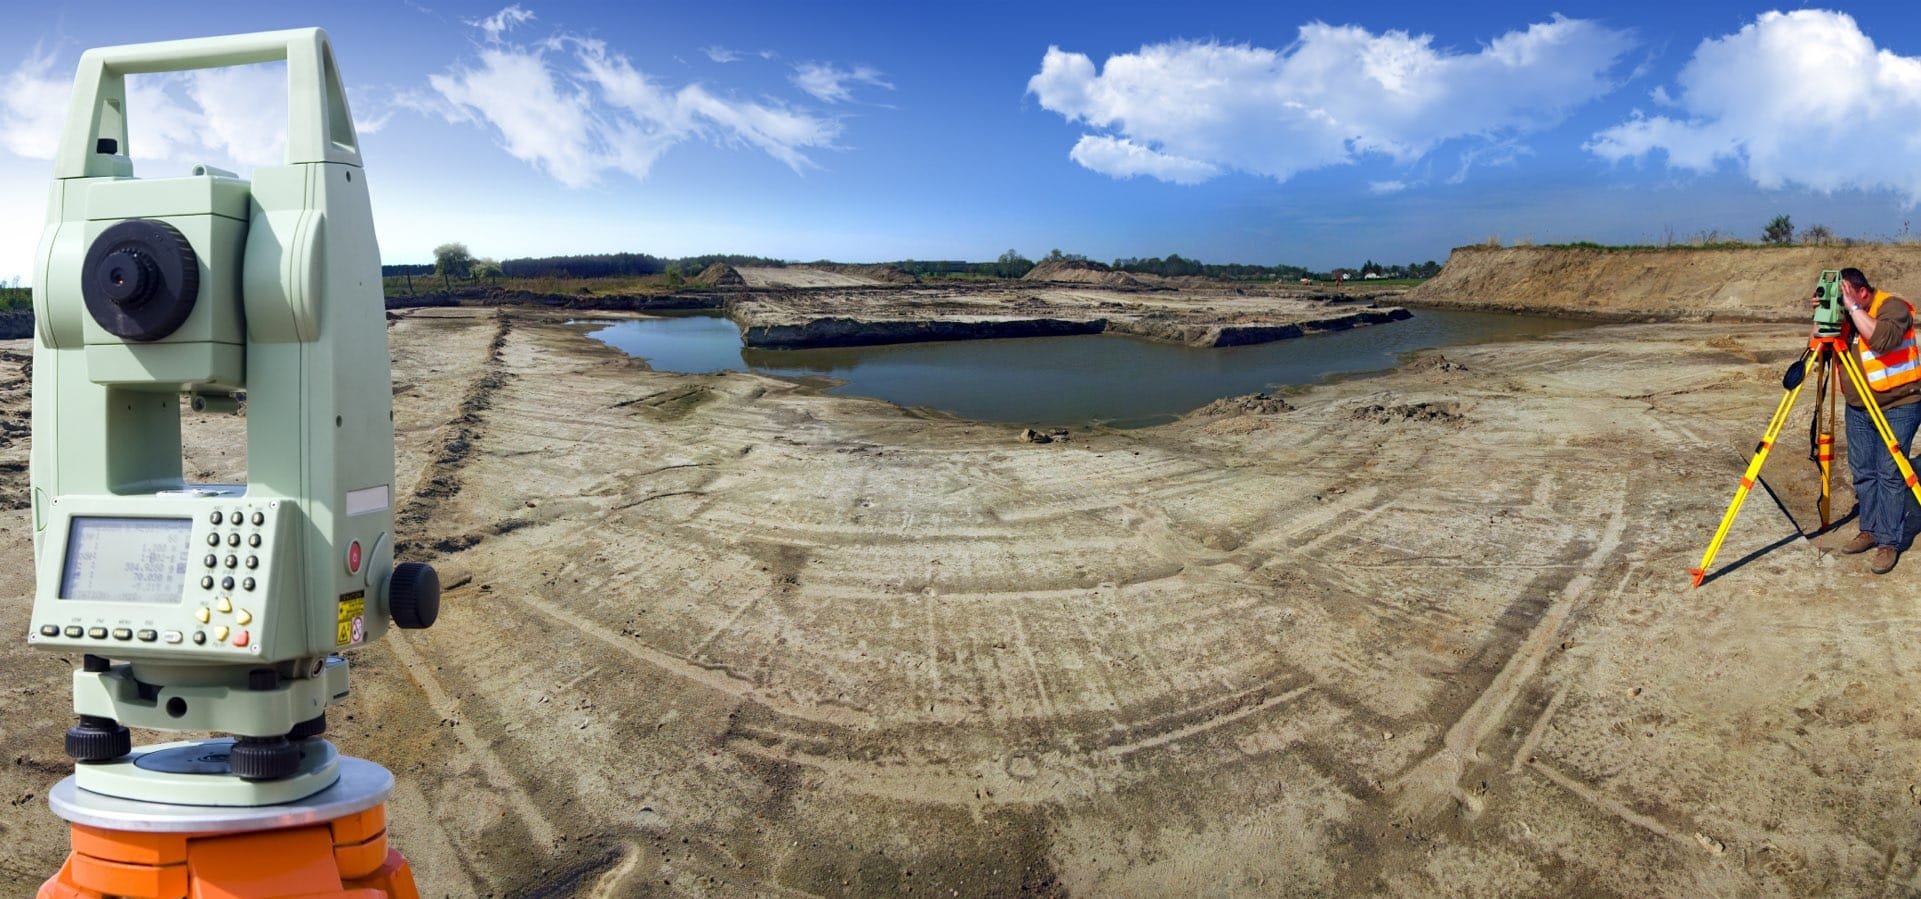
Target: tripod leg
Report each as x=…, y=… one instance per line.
x=1754, y=470
x=1881, y=427
x=1824, y=441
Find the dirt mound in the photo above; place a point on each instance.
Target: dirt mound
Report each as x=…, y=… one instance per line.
x=720, y=274
x=1247, y=404
x=1387, y=415
x=880, y=274
x=1077, y=271
x=1662, y=284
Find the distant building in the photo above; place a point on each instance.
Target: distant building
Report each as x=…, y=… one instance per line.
x=1370, y=276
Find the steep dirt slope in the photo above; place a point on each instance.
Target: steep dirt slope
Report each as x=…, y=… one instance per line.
x=1679, y=284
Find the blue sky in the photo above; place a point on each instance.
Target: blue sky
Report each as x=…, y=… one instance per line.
x=1311, y=133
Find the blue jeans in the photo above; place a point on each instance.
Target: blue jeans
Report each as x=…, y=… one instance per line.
x=1886, y=503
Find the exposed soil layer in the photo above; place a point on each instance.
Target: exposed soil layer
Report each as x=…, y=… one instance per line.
x=1213, y=318
x=1426, y=633
x=1674, y=284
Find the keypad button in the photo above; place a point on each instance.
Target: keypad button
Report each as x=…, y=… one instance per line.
x=211, y=560
x=226, y=583
x=220, y=634
x=243, y=617
x=233, y=561
x=253, y=561
x=170, y=637
x=200, y=637
x=213, y=539
x=148, y=635
x=259, y=518
x=123, y=633
x=206, y=582
x=253, y=540
x=203, y=614
x=49, y=630
x=97, y=633
x=233, y=539
x=223, y=605
x=246, y=583
x=74, y=630
x=216, y=518
x=240, y=639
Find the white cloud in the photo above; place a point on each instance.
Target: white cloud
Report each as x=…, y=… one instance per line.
x=1793, y=98
x=1386, y=187
x=232, y=117
x=1337, y=93
x=829, y=83
x=720, y=54
x=1125, y=159
x=579, y=110
x=33, y=106
x=502, y=22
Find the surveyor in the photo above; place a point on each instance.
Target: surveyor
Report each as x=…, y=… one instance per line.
x=1882, y=338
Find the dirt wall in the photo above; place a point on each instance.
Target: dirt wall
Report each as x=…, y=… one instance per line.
x=1674, y=284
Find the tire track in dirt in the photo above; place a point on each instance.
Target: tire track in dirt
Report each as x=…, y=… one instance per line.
x=1428, y=785
x=440, y=479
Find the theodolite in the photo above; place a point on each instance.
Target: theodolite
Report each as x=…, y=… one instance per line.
x=212, y=607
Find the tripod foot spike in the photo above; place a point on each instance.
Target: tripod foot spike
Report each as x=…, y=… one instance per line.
x=1698, y=575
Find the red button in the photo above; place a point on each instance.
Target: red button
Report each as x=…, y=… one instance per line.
x=240, y=639
x=353, y=557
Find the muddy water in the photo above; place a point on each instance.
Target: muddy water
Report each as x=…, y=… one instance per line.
x=1064, y=381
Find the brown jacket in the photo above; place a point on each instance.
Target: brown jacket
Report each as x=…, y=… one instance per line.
x=1890, y=324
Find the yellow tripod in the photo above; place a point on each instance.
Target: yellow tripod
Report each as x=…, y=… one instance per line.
x=1823, y=349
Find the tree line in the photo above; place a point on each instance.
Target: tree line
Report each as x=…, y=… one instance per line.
x=452, y=260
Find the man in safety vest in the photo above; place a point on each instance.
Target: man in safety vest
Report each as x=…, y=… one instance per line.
x=1881, y=335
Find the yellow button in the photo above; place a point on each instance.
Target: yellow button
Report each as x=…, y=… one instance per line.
x=223, y=604
x=245, y=617
x=202, y=614
x=220, y=633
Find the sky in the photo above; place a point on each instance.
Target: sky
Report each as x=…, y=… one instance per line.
x=1319, y=134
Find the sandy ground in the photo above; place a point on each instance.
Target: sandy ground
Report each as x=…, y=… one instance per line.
x=1416, y=634
x=797, y=276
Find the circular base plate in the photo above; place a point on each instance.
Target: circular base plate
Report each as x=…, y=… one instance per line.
x=361, y=785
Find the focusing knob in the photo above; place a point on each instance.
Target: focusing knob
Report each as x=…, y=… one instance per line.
x=140, y=279
x=413, y=595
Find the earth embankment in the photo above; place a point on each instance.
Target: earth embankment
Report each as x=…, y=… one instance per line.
x=1657, y=284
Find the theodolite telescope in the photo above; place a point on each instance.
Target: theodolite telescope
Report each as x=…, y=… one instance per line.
x=1829, y=309
x=213, y=607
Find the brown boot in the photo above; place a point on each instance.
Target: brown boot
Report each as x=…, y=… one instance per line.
x=1884, y=560
x=1861, y=543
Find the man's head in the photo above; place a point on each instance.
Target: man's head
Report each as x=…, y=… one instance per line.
x=1855, y=286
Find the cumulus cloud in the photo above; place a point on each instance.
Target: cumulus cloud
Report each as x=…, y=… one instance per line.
x=232, y=117
x=829, y=83
x=33, y=105
x=1336, y=94
x=1802, y=97
x=1125, y=159
x=578, y=110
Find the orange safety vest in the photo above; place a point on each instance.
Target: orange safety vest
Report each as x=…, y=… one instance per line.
x=1898, y=366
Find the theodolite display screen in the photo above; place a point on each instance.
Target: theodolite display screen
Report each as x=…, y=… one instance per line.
x=127, y=559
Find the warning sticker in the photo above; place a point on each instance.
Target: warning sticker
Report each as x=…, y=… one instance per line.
x=350, y=624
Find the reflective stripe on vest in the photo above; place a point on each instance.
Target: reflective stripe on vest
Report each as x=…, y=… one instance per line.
x=1898, y=366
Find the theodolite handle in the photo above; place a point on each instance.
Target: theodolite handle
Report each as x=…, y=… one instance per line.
x=319, y=126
